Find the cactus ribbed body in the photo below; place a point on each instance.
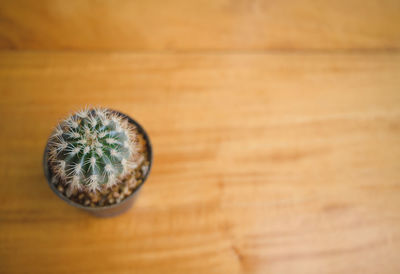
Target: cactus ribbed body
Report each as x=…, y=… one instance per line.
x=92, y=149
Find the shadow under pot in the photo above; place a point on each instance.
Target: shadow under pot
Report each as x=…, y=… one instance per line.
x=98, y=160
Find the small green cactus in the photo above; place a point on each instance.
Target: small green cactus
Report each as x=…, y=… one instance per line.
x=92, y=149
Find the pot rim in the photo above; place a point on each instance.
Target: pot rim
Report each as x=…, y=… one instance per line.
x=48, y=173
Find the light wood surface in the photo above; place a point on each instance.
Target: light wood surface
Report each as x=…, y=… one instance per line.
x=264, y=163
x=182, y=25
x=275, y=127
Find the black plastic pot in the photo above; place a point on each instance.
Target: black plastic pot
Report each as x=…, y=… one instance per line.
x=110, y=210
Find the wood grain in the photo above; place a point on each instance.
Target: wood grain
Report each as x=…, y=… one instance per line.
x=210, y=25
x=264, y=163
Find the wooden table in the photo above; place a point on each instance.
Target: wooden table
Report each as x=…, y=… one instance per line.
x=275, y=127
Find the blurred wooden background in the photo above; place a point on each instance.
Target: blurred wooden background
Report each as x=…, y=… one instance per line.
x=181, y=25
x=275, y=126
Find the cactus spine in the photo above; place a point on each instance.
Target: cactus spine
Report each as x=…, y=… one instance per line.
x=92, y=149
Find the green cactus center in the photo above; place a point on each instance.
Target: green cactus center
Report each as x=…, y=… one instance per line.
x=91, y=139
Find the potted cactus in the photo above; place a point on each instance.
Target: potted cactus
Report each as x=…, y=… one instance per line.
x=98, y=159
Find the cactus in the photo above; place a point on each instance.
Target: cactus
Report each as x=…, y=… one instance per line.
x=92, y=149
